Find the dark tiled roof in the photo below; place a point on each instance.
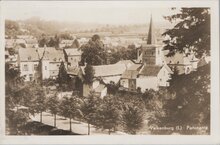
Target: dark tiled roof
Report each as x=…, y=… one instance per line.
x=28, y=54
x=150, y=70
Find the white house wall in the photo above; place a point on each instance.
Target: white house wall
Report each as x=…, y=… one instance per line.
x=30, y=69
x=147, y=83
x=45, y=69
x=163, y=77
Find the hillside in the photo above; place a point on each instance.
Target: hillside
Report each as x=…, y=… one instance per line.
x=36, y=27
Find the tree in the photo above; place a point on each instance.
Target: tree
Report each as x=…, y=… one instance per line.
x=89, y=109
x=108, y=115
x=53, y=106
x=132, y=118
x=63, y=78
x=112, y=88
x=89, y=74
x=39, y=102
x=70, y=108
x=189, y=106
x=51, y=42
x=15, y=120
x=43, y=41
x=192, y=31
x=93, y=52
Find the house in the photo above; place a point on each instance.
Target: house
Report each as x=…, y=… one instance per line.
x=102, y=77
x=50, y=58
x=184, y=63
x=51, y=61
x=66, y=43
x=145, y=77
x=128, y=78
x=151, y=72
x=31, y=43
x=148, y=77
x=72, y=56
x=28, y=61
x=11, y=43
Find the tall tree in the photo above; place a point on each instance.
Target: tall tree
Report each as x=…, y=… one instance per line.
x=89, y=74
x=108, y=115
x=189, y=106
x=53, y=105
x=70, y=107
x=39, y=103
x=133, y=118
x=192, y=31
x=89, y=109
x=63, y=78
x=93, y=52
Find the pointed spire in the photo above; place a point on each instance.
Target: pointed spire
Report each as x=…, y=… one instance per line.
x=150, y=38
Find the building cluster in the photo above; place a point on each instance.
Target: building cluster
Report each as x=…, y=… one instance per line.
x=151, y=70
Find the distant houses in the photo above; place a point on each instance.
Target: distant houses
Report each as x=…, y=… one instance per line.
x=151, y=70
x=50, y=58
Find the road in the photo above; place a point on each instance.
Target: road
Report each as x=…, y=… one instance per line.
x=77, y=127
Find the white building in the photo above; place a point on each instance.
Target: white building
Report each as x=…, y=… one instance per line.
x=28, y=61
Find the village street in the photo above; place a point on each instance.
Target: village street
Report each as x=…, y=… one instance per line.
x=77, y=126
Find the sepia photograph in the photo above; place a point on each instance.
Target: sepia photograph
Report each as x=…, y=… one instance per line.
x=107, y=68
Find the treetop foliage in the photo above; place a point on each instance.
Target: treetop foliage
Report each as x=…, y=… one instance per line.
x=192, y=31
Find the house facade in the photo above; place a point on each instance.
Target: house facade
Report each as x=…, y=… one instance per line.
x=102, y=77
x=72, y=56
x=28, y=61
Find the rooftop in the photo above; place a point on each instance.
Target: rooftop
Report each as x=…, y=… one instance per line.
x=73, y=51
x=150, y=70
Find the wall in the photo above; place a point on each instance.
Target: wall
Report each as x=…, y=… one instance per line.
x=163, y=77
x=45, y=69
x=30, y=72
x=74, y=60
x=147, y=83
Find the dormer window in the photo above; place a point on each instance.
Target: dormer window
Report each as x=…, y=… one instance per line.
x=55, y=59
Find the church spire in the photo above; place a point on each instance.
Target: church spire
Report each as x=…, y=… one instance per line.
x=150, y=37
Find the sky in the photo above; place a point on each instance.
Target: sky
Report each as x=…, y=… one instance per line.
x=109, y=12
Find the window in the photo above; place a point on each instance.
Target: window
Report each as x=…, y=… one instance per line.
x=35, y=67
x=45, y=67
x=29, y=58
x=25, y=67
x=160, y=80
x=31, y=77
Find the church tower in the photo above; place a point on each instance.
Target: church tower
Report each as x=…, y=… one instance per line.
x=151, y=52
